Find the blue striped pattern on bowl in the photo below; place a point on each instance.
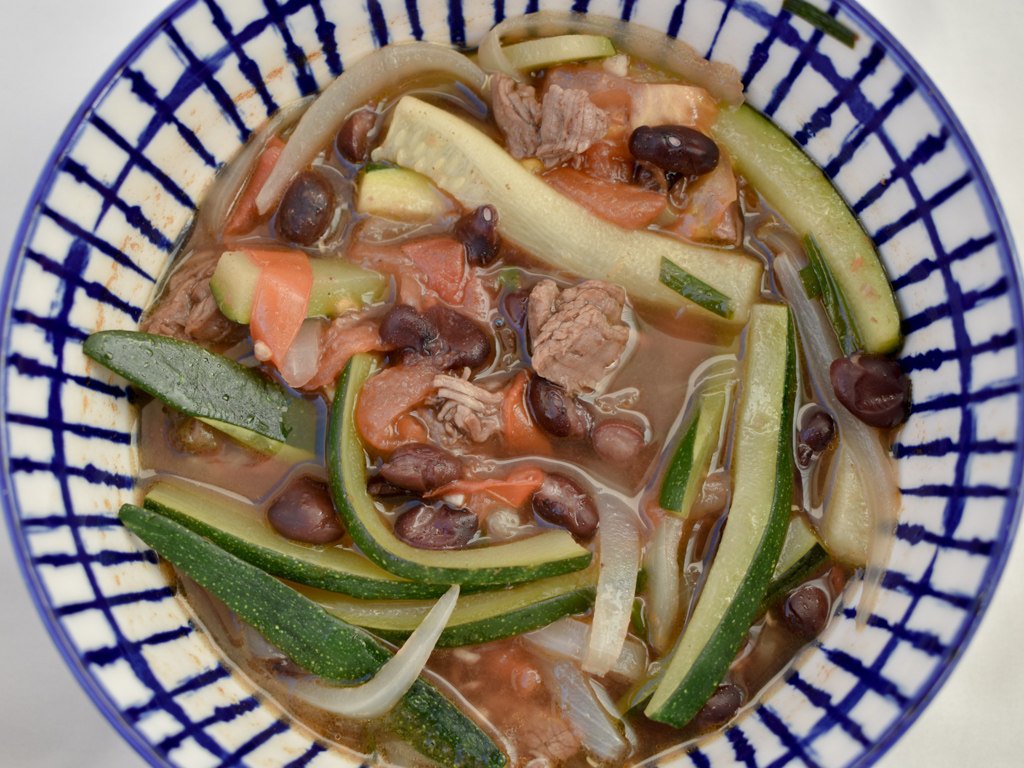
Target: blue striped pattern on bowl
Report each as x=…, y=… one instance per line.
x=129, y=172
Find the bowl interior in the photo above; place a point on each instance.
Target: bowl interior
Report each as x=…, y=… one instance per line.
x=104, y=223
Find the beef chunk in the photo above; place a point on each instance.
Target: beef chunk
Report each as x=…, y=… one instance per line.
x=569, y=124
x=566, y=124
x=517, y=112
x=188, y=310
x=467, y=411
x=581, y=337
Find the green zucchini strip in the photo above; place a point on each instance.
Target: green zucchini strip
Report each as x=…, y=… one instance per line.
x=762, y=470
x=472, y=168
x=230, y=397
x=477, y=618
x=839, y=315
x=691, y=462
x=802, y=554
x=242, y=530
x=806, y=199
x=318, y=642
x=547, y=554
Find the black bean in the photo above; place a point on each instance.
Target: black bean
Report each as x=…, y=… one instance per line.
x=556, y=411
x=561, y=501
x=380, y=488
x=306, y=210
x=421, y=467
x=441, y=527
x=873, y=388
x=675, y=149
x=722, y=705
x=515, y=304
x=460, y=343
x=806, y=610
x=478, y=232
x=405, y=328
x=817, y=430
x=353, y=141
x=617, y=441
x=304, y=512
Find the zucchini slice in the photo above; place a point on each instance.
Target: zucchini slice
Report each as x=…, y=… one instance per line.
x=399, y=194
x=802, y=554
x=241, y=530
x=318, y=642
x=762, y=470
x=477, y=618
x=847, y=527
x=690, y=463
x=547, y=554
x=473, y=169
x=802, y=194
x=230, y=397
x=545, y=51
x=337, y=286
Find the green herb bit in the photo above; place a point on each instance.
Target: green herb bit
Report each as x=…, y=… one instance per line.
x=820, y=20
x=509, y=279
x=694, y=289
x=839, y=313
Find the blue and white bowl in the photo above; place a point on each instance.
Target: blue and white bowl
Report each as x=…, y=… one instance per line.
x=99, y=231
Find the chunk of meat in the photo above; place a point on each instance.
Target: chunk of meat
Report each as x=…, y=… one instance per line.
x=188, y=310
x=467, y=410
x=565, y=124
x=570, y=123
x=581, y=337
x=517, y=113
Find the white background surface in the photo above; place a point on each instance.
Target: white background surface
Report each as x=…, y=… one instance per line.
x=51, y=54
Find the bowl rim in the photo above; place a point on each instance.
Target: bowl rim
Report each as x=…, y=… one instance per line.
x=1008, y=257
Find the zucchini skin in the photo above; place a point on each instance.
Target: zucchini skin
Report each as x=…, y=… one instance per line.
x=293, y=568
x=204, y=385
x=320, y=643
x=713, y=661
x=346, y=472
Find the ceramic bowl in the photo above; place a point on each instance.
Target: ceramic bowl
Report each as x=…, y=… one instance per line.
x=127, y=174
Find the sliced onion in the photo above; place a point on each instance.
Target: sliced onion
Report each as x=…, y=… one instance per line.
x=589, y=721
x=392, y=681
x=662, y=564
x=719, y=79
x=232, y=179
x=383, y=69
x=566, y=639
x=861, y=442
x=616, y=586
x=302, y=361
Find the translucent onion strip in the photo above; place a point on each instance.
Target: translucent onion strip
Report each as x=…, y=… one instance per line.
x=860, y=442
x=616, y=585
x=233, y=177
x=383, y=69
x=302, y=360
x=566, y=639
x=663, y=586
x=589, y=721
x=392, y=681
x=719, y=79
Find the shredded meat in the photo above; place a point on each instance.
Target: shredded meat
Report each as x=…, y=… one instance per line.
x=188, y=310
x=466, y=411
x=518, y=114
x=581, y=337
x=566, y=124
x=569, y=124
